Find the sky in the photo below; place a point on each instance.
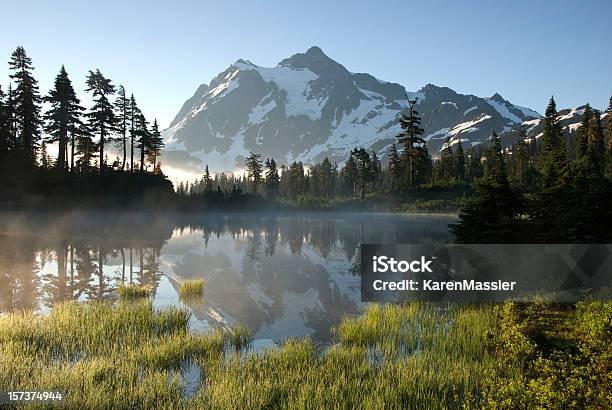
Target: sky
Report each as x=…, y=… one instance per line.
x=161, y=51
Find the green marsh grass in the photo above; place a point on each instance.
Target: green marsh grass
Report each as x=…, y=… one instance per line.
x=133, y=292
x=191, y=290
x=129, y=355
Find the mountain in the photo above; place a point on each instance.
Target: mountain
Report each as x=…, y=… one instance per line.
x=309, y=107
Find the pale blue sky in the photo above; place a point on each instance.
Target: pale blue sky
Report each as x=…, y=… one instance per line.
x=161, y=51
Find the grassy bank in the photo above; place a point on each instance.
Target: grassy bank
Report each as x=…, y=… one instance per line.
x=397, y=356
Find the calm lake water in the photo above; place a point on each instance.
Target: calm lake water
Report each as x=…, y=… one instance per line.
x=280, y=276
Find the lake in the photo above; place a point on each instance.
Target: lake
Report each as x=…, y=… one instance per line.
x=280, y=276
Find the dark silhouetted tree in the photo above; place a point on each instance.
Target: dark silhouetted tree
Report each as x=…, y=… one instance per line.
x=102, y=117
x=410, y=138
x=25, y=101
x=63, y=118
x=155, y=146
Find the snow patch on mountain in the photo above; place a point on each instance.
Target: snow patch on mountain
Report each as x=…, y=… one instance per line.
x=434, y=135
x=296, y=84
x=258, y=113
x=225, y=87
x=364, y=125
x=469, y=125
x=469, y=110
x=526, y=111
x=454, y=104
x=503, y=110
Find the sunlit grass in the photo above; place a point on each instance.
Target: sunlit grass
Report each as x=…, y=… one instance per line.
x=133, y=292
x=131, y=355
x=191, y=290
x=104, y=355
x=395, y=356
x=239, y=337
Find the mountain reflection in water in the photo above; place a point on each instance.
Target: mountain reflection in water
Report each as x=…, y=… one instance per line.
x=279, y=276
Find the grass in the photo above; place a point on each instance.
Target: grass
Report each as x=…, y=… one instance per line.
x=133, y=292
x=130, y=355
x=191, y=290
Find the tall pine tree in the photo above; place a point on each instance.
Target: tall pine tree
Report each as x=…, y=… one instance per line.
x=26, y=102
x=410, y=122
x=63, y=117
x=143, y=138
x=102, y=115
x=156, y=143
x=553, y=162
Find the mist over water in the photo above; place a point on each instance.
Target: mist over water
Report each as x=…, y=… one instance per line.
x=279, y=275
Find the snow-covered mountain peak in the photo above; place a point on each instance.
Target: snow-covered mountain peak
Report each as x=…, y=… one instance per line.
x=309, y=107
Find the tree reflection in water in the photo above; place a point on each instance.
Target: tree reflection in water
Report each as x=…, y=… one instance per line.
x=279, y=275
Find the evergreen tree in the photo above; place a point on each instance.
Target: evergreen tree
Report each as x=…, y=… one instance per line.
x=582, y=135
x=460, y=163
x=552, y=196
x=608, y=156
x=596, y=142
x=349, y=175
x=102, y=115
x=143, y=138
x=395, y=169
x=254, y=169
x=63, y=117
x=375, y=173
x=134, y=114
x=208, y=182
x=492, y=215
x=85, y=148
x=474, y=168
x=155, y=145
x=122, y=109
x=26, y=104
x=553, y=161
x=327, y=180
x=13, y=143
x=423, y=165
x=364, y=170
x=447, y=163
x=272, y=179
x=520, y=160
x=5, y=136
x=296, y=180
x=410, y=122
